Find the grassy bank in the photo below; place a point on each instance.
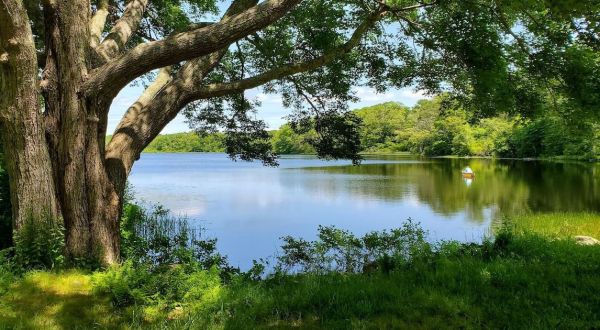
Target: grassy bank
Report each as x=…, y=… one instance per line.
x=520, y=280
x=561, y=225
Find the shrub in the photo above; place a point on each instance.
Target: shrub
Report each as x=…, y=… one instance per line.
x=340, y=251
x=166, y=264
x=159, y=289
x=40, y=243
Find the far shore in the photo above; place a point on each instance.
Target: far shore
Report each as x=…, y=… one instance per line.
x=405, y=153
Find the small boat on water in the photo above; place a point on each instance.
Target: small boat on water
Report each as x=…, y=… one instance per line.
x=468, y=173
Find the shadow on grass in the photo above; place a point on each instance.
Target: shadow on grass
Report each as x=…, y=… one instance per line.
x=56, y=301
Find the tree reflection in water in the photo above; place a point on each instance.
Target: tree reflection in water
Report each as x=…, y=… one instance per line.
x=504, y=187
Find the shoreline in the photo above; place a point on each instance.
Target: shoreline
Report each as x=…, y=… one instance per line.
x=402, y=153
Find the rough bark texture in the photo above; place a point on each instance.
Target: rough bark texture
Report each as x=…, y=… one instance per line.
x=21, y=124
x=63, y=174
x=90, y=205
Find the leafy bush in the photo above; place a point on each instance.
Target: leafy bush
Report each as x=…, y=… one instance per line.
x=167, y=266
x=339, y=250
x=159, y=290
x=40, y=243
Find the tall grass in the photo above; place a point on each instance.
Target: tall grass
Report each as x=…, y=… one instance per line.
x=562, y=225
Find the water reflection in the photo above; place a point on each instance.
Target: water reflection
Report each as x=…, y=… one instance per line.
x=249, y=207
x=468, y=181
x=507, y=186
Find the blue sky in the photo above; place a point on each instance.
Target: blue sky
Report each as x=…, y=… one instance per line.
x=271, y=110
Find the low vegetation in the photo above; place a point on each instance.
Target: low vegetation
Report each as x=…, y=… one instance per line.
x=172, y=278
x=561, y=225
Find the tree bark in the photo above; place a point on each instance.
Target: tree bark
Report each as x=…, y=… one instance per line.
x=62, y=175
x=90, y=204
x=21, y=123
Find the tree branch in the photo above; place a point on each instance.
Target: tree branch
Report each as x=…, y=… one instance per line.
x=407, y=8
x=115, y=75
x=222, y=89
x=97, y=23
x=154, y=110
x=123, y=29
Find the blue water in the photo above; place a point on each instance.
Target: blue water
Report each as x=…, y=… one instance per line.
x=248, y=207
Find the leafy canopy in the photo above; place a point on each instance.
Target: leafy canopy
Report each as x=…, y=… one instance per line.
x=491, y=55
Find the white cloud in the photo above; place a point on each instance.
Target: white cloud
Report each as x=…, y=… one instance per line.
x=370, y=95
x=412, y=95
x=269, y=98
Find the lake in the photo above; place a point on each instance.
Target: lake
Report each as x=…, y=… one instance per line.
x=248, y=207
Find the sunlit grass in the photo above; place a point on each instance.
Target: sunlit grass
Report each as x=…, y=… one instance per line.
x=522, y=281
x=44, y=300
x=561, y=225
x=531, y=282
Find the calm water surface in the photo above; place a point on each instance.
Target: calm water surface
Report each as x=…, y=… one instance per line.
x=248, y=207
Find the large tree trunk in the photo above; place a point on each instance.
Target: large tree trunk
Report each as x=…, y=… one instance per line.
x=90, y=205
x=21, y=125
x=65, y=174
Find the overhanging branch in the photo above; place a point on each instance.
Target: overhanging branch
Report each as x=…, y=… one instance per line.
x=123, y=29
x=159, y=104
x=115, y=75
x=97, y=23
x=222, y=89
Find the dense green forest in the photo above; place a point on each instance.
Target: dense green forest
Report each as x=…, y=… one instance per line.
x=187, y=142
x=437, y=127
x=434, y=127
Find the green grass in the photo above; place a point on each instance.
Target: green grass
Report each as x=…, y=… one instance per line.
x=521, y=280
x=44, y=300
x=562, y=225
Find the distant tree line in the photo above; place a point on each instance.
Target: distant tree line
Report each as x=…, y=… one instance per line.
x=187, y=142
x=434, y=127
x=440, y=127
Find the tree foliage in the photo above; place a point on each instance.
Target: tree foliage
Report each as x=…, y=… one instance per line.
x=494, y=56
x=187, y=142
x=441, y=126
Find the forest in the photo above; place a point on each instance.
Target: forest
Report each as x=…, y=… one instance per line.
x=433, y=127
